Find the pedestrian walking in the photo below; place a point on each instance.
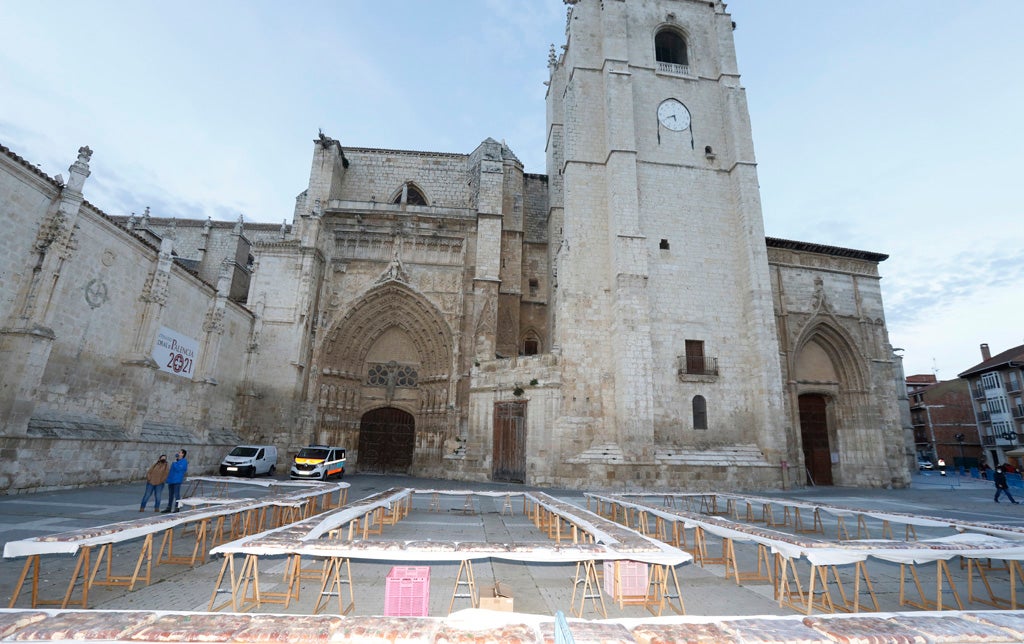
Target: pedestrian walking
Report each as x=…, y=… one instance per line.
x=155, y=479
x=175, y=478
x=1001, y=485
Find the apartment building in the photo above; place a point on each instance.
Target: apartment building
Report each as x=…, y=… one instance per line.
x=998, y=400
x=943, y=418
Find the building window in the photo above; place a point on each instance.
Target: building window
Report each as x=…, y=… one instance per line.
x=410, y=195
x=534, y=286
x=669, y=47
x=991, y=381
x=1004, y=431
x=530, y=344
x=663, y=245
x=416, y=197
x=700, y=413
x=391, y=375
x=1012, y=383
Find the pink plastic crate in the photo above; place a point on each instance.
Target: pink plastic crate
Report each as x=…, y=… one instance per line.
x=632, y=579
x=407, y=591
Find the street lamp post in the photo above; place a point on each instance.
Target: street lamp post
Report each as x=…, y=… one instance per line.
x=931, y=430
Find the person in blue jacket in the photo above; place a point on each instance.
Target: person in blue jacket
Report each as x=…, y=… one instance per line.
x=174, y=480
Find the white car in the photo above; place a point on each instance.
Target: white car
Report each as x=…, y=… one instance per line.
x=923, y=464
x=250, y=460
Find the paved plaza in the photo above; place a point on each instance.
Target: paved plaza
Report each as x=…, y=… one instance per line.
x=537, y=588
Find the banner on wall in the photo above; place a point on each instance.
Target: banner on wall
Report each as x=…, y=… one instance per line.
x=175, y=353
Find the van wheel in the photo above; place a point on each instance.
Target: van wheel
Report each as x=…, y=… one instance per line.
x=252, y=471
x=273, y=470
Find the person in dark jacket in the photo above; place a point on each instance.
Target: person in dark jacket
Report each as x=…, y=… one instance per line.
x=155, y=479
x=1001, y=485
x=174, y=480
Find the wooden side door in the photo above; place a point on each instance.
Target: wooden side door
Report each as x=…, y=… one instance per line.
x=509, y=442
x=814, y=436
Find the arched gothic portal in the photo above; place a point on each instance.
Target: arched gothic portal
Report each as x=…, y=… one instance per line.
x=830, y=386
x=391, y=350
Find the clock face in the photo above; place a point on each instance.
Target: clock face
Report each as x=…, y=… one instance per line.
x=674, y=115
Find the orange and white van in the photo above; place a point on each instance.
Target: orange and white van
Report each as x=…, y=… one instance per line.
x=318, y=463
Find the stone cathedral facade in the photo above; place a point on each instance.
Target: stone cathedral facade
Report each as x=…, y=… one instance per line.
x=620, y=322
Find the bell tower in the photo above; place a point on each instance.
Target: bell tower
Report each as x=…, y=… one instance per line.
x=662, y=308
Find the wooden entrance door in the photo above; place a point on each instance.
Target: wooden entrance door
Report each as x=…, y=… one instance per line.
x=509, y=442
x=386, y=441
x=814, y=435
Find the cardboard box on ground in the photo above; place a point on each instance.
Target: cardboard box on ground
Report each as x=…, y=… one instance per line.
x=496, y=597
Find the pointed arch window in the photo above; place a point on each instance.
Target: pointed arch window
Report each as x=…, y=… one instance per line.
x=530, y=345
x=700, y=412
x=410, y=195
x=670, y=52
x=415, y=197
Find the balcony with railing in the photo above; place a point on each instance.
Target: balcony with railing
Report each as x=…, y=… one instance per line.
x=984, y=417
x=979, y=392
x=673, y=68
x=1018, y=411
x=1012, y=385
x=698, y=366
x=1003, y=438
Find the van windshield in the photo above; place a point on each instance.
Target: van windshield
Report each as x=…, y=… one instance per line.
x=313, y=452
x=243, y=451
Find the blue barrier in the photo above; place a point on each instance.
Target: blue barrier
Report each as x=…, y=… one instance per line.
x=562, y=633
x=935, y=478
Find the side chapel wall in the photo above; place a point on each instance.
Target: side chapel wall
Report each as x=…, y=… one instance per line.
x=835, y=302
x=94, y=406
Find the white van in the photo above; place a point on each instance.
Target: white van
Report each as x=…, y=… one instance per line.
x=250, y=460
x=319, y=462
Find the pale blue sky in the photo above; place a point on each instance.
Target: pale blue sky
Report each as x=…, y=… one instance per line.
x=884, y=125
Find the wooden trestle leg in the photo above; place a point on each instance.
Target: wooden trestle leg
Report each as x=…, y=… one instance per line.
x=591, y=589
x=336, y=574
x=941, y=569
x=465, y=567
x=228, y=568
x=658, y=591
x=106, y=553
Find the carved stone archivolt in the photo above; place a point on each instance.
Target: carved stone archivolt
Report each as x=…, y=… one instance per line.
x=347, y=388
x=391, y=305
x=840, y=347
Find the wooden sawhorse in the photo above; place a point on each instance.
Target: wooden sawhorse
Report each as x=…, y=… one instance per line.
x=465, y=567
x=591, y=589
x=336, y=574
